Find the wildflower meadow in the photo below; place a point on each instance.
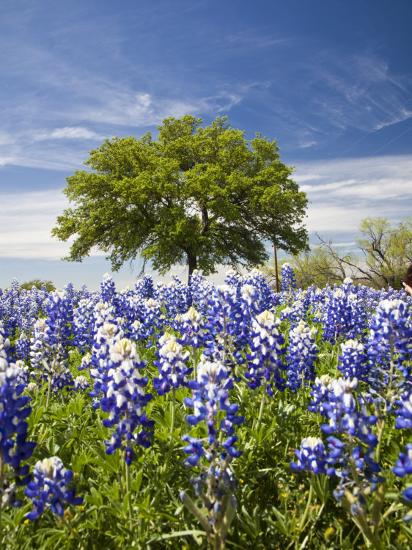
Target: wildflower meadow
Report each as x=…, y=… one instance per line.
x=172, y=415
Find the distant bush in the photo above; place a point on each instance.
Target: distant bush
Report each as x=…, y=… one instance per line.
x=38, y=283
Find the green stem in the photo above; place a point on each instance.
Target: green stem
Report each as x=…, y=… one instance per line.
x=262, y=406
x=48, y=391
x=360, y=520
x=128, y=492
x=172, y=411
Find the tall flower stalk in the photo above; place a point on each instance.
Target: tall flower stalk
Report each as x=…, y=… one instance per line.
x=211, y=456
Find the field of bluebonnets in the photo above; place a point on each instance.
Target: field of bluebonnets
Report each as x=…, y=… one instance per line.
x=193, y=416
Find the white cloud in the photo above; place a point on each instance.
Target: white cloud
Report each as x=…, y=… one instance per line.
x=63, y=148
x=141, y=109
x=307, y=144
x=6, y=138
x=361, y=92
x=26, y=222
x=342, y=192
x=252, y=40
x=5, y=160
x=67, y=132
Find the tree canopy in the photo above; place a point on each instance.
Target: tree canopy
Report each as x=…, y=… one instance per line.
x=197, y=195
x=386, y=252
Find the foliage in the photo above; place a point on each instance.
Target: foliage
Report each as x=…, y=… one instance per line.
x=385, y=253
x=38, y=283
x=197, y=195
x=317, y=267
x=387, y=250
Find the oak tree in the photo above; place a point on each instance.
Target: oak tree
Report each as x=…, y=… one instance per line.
x=200, y=195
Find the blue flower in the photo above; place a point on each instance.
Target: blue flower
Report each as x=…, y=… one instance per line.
x=192, y=328
x=212, y=454
x=301, y=355
x=209, y=400
x=353, y=361
x=350, y=455
x=172, y=362
x=51, y=488
x=311, y=456
x=267, y=348
x=389, y=342
x=124, y=399
x=404, y=413
x=14, y=410
x=403, y=466
x=344, y=314
x=288, y=279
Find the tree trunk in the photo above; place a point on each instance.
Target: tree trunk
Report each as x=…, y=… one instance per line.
x=192, y=264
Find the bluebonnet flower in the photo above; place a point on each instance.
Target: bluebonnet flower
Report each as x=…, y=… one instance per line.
x=288, y=279
x=199, y=291
x=49, y=357
x=4, y=348
x=23, y=347
x=301, y=355
x=171, y=362
x=51, y=487
x=22, y=373
x=353, y=361
x=80, y=383
x=264, y=361
x=264, y=297
x=106, y=332
x=351, y=441
x=294, y=312
x=345, y=413
x=192, y=328
x=224, y=322
x=38, y=351
x=232, y=278
x=83, y=324
x=173, y=296
x=107, y=289
x=125, y=400
x=52, y=338
x=311, y=456
x=14, y=410
x=210, y=398
x=213, y=454
x=144, y=287
x=10, y=308
x=390, y=343
x=344, y=314
x=152, y=317
x=59, y=320
x=85, y=362
x=404, y=413
x=402, y=468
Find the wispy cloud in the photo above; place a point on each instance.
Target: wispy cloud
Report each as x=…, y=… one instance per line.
x=250, y=39
x=141, y=109
x=342, y=192
x=26, y=223
x=361, y=91
x=330, y=93
x=67, y=132
x=113, y=111
x=63, y=100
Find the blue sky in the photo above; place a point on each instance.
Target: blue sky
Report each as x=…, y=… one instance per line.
x=331, y=80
